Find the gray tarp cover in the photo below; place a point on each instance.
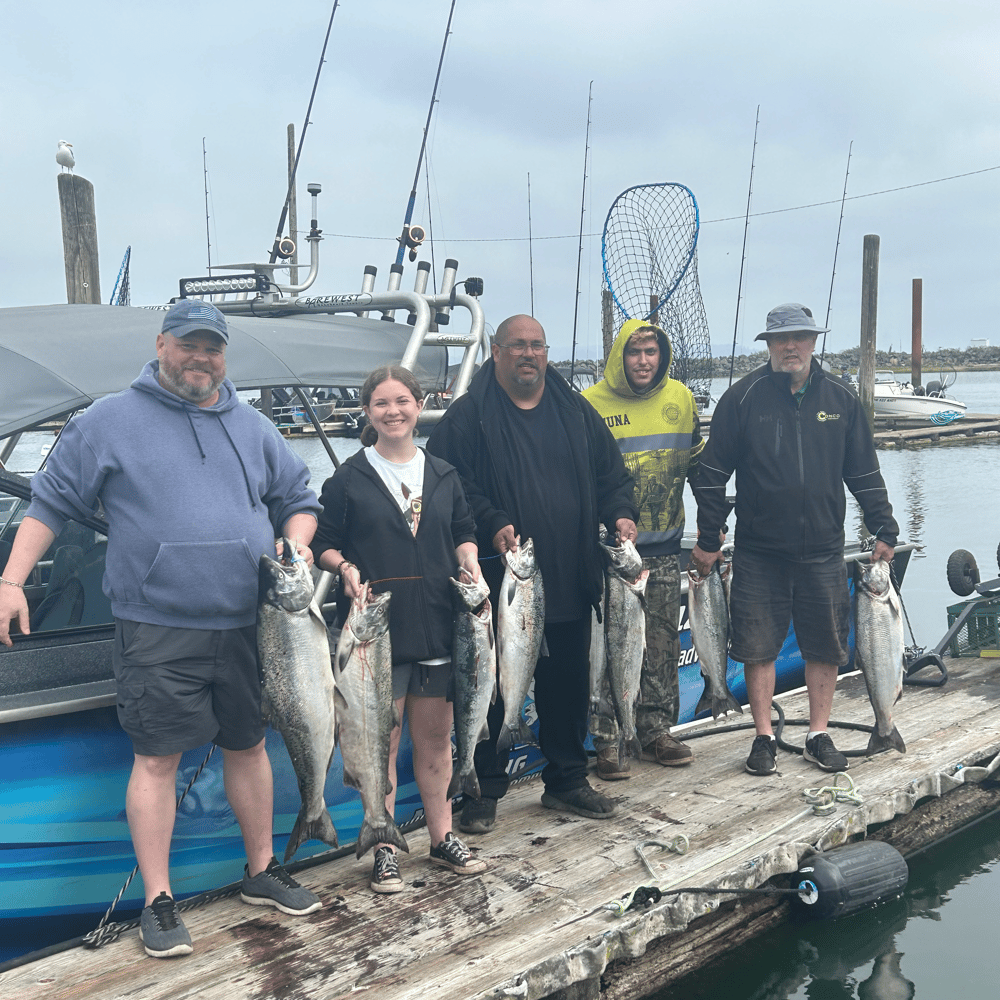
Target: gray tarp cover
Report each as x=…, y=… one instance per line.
x=56, y=359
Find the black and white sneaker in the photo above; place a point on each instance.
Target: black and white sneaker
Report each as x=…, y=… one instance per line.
x=453, y=854
x=821, y=752
x=161, y=931
x=385, y=871
x=762, y=756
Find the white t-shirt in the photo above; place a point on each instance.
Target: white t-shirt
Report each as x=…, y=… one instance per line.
x=404, y=480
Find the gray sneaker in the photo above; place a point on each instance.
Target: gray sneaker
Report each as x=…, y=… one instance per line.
x=275, y=887
x=161, y=931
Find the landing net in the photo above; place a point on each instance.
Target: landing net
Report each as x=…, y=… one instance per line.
x=649, y=248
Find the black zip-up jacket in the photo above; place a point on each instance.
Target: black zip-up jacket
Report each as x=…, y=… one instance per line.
x=362, y=520
x=792, y=460
x=605, y=487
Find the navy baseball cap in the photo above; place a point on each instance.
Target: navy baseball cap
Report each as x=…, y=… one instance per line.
x=790, y=318
x=192, y=315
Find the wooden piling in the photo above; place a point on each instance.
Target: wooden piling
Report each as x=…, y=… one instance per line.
x=607, y=320
x=917, y=331
x=869, y=316
x=79, y=229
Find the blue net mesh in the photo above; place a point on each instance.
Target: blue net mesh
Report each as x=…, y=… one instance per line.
x=649, y=248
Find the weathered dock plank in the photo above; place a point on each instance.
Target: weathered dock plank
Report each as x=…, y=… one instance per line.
x=534, y=924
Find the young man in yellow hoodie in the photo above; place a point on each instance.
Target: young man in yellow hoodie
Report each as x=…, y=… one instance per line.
x=655, y=422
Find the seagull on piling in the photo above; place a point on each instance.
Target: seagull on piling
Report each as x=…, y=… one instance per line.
x=64, y=155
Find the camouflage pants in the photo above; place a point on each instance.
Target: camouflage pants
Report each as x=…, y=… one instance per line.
x=659, y=693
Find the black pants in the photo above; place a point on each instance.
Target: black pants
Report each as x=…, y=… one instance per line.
x=562, y=695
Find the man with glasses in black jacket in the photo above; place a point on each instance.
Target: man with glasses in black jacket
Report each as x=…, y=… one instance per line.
x=537, y=461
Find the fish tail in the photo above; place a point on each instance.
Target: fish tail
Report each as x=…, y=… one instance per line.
x=320, y=828
x=722, y=706
x=525, y=735
x=386, y=833
x=631, y=746
x=878, y=743
x=505, y=740
x=466, y=784
x=705, y=703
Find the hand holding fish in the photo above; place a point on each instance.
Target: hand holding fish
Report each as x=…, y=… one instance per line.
x=467, y=555
x=505, y=540
x=882, y=552
x=704, y=561
x=350, y=575
x=303, y=552
x=627, y=531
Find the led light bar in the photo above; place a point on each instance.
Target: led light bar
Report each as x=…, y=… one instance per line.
x=216, y=286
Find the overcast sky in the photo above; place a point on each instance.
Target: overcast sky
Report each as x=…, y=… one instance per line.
x=914, y=85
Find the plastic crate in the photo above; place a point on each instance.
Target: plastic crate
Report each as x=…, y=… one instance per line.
x=979, y=635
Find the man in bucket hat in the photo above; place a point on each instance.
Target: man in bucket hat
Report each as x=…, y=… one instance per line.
x=794, y=436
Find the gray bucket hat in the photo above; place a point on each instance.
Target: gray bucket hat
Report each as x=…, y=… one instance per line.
x=792, y=317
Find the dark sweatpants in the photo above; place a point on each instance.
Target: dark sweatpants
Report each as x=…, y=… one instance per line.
x=562, y=696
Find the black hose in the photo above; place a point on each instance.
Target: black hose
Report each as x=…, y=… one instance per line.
x=782, y=722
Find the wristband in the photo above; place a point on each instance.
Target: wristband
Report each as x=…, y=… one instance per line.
x=10, y=583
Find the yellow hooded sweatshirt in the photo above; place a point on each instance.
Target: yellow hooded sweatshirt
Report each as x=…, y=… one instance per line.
x=659, y=437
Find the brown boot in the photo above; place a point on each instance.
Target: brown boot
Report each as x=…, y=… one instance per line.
x=667, y=750
x=609, y=767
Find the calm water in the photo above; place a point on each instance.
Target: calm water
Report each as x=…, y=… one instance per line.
x=935, y=942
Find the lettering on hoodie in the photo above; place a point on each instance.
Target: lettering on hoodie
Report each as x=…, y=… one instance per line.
x=617, y=420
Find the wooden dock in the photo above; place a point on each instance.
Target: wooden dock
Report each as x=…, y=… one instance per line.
x=535, y=924
x=913, y=432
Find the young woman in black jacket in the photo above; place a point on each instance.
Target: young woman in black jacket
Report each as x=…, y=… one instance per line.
x=399, y=519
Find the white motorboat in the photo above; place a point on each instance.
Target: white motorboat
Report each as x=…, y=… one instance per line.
x=894, y=398
x=901, y=399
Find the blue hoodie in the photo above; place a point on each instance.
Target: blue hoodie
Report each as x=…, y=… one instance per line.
x=193, y=496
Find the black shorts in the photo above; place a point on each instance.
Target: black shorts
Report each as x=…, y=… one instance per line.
x=422, y=680
x=769, y=593
x=179, y=688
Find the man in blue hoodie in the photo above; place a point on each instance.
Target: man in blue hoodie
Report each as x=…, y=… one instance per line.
x=195, y=486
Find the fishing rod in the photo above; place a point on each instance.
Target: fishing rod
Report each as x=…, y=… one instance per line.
x=406, y=239
x=579, y=255
x=208, y=237
x=531, y=261
x=746, y=226
x=278, y=250
x=829, y=301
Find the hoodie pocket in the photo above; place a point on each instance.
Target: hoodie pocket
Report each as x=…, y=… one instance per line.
x=203, y=579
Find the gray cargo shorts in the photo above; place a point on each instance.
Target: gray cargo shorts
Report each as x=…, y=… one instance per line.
x=769, y=593
x=179, y=688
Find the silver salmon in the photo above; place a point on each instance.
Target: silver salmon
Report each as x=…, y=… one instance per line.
x=708, y=612
x=474, y=670
x=879, y=648
x=298, y=686
x=520, y=632
x=624, y=637
x=366, y=714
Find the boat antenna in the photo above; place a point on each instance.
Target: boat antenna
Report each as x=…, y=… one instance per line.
x=208, y=237
x=743, y=260
x=404, y=238
x=579, y=255
x=829, y=301
x=531, y=260
x=276, y=248
x=430, y=225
